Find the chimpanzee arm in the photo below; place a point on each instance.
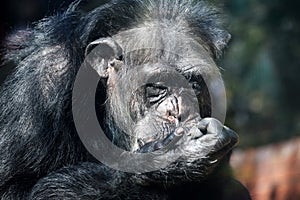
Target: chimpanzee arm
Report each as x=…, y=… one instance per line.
x=91, y=181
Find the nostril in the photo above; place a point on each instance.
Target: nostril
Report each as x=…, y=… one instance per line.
x=169, y=113
x=179, y=118
x=172, y=117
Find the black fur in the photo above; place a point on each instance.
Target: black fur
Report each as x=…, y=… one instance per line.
x=41, y=156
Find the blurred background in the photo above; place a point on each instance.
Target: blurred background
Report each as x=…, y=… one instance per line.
x=261, y=71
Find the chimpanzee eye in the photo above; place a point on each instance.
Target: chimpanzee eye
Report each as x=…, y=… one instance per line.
x=154, y=93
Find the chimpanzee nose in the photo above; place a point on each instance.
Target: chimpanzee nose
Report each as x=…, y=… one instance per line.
x=170, y=108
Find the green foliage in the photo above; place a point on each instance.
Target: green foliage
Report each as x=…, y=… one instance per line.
x=261, y=70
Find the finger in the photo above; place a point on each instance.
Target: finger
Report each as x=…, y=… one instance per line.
x=170, y=141
x=210, y=125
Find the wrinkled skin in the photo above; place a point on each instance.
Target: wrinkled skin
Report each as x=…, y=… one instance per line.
x=165, y=116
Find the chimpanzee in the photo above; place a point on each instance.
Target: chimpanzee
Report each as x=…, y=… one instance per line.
x=147, y=68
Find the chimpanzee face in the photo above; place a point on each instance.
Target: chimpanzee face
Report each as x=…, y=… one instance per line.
x=156, y=106
x=158, y=100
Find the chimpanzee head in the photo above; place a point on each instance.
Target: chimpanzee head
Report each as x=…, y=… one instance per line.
x=136, y=82
x=163, y=93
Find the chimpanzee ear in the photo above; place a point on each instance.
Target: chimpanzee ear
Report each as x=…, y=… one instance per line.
x=220, y=40
x=104, y=53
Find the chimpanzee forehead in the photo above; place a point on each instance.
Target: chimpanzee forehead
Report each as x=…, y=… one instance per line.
x=148, y=44
x=159, y=72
